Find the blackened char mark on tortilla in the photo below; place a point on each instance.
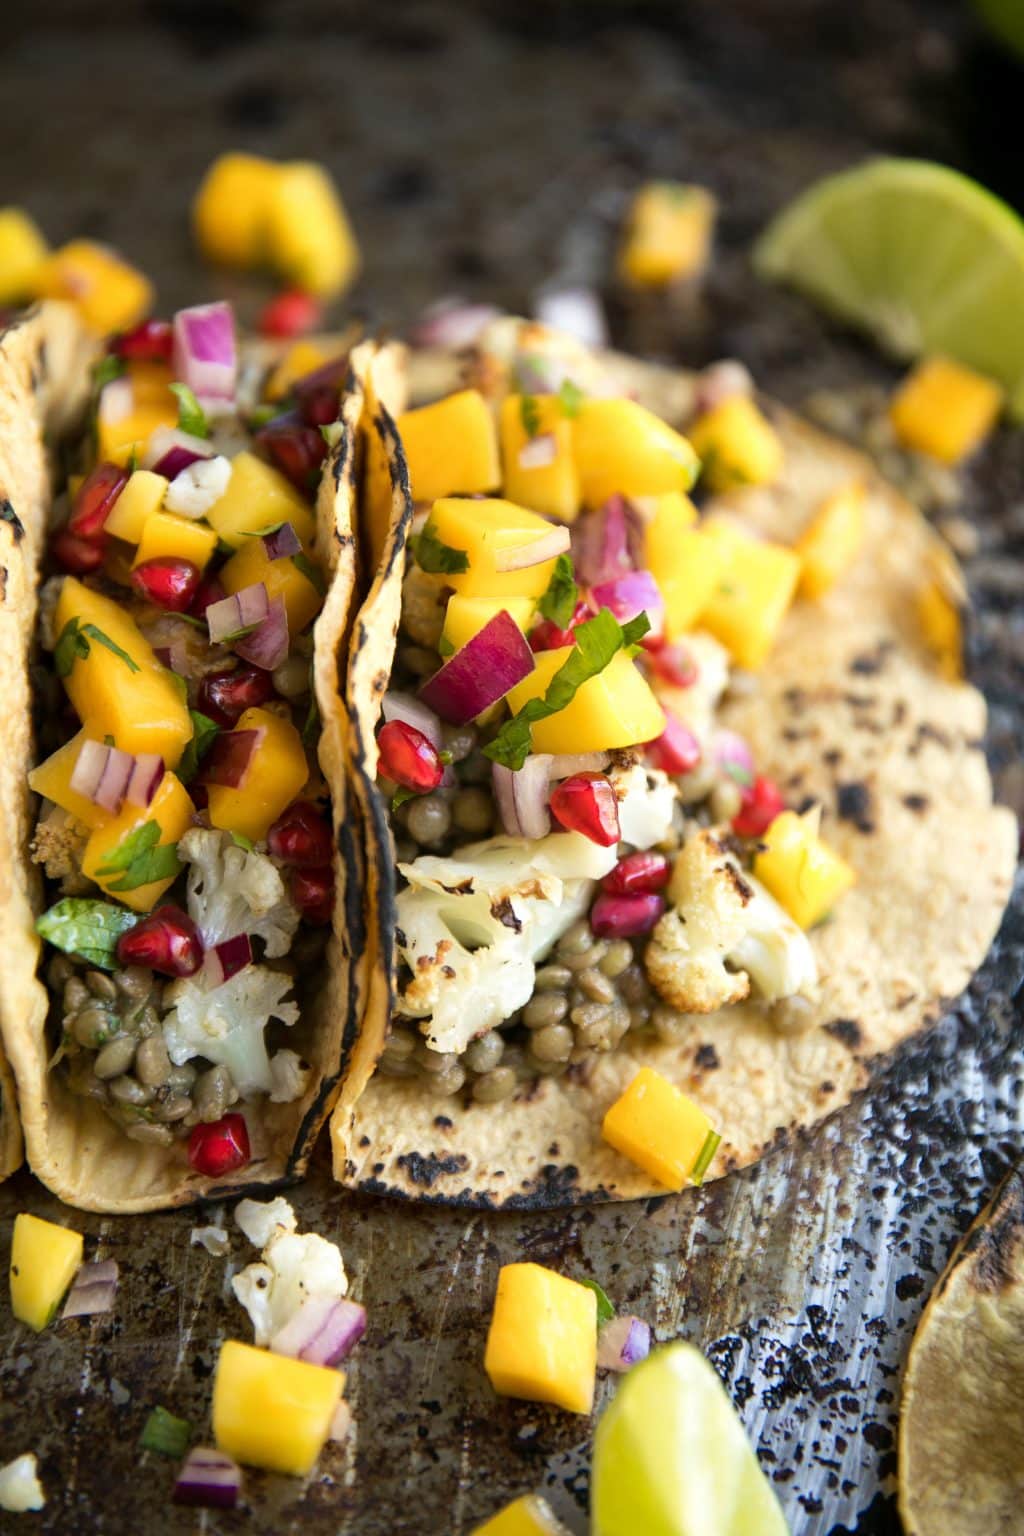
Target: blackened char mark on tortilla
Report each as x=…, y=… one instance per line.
x=870, y=663
x=916, y=803
x=399, y=481
x=425, y=1168
x=552, y=1189
x=848, y=1031
x=341, y=462
x=853, y=803
x=992, y=1246
x=11, y=518
x=706, y=1058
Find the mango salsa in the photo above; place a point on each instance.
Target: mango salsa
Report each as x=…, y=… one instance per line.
x=109, y=294
x=131, y=861
x=231, y=211
x=661, y=1130
x=614, y=709
x=451, y=447
x=684, y=562
x=277, y=771
x=752, y=596
x=552, y=487
x=118, y=687
x=271, y=1411
x=309, y=238
x=737, y=445
x=832, y=540
x=542, y=1343
x=166, y=535
x=257, y=498
x=140, y=499
x=122, y=432
x=44, y=1261
x=945, y=409
x=529, y=1516
x=282, y=578
x=466, y=617
x=802, y=872
x=52, y=780
x=23, y=250
x=668, y=234
x=620, y=446
x=302, y=357
x=482, y=530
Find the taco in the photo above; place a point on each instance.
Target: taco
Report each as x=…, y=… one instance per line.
x=10, y=1127
x=756, y=856
x=179, y=996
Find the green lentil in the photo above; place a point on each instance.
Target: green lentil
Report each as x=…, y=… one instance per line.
x=429, y=819
x=473, y=811
x=484, y=1053
x=554, y=1043
x=619, y=956
x=494, y=1086
x=115, y=1058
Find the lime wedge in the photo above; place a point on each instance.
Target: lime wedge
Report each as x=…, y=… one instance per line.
x=671, y=1457
x=921, y=257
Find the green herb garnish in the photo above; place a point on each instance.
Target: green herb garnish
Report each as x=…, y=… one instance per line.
x=570, y=398
x=73, y=643
x=605, y=1310
x=437, y=558
x=401, y=796
x=529, y=415
x=204, y=733
x=106, y=371
x=331, y=433
x=89, y=929
x=241, y=841
x=559, y=601
x=312, y=573
x=140, y=859
x=164, y=1433
x=707, y=1152
x=191, y=416
x=738, y=774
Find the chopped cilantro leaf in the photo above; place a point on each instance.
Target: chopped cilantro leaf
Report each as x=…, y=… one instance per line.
x=241, y=841
x=204, y=734
x=89, y=929
x=529, y=414
x=73, y=643
x=436, y=557
x=312, y=573
x=570, y=398
x=191, y=416
x=140, y=858
x=559, y=601
x=605, y=1310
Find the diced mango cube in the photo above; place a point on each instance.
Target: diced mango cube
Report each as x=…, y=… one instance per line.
x=271, y=1411
x=614, y=709
x=832, y=540
x=684, y=561
x=302, y=357
x=130, y=861
x=620, y=446
x=118, y=687
x=939, y=617
x=466, y=617
x=451, y=447
x=668, y=234
x=539, y=464
x=945, y=409
x=44, y=1260
x=23, y=250
x=130, y=410
x=166, y=535
x=542, y=1342
x=109, y=294
x=802, y=872
x=529, y=1516
x=752, y=596
x=277, y=771
x=282, y=578
x=258, y=497
x=140, y=499
x=52, y=780
x=310, y=239
x=483, y=531
x=231, y=212
x=737, y=445
x=661, y=1130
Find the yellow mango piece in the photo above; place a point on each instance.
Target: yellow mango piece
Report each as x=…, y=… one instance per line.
x=451, y=447
x=684, y=561
x=832, y=540
x=282, y=578
x=301, y=358
x=529, y=1516
x=614, y=709
x=52, y=780
x=44, y=1261
x=552, y=488
x=483, y=530
x=258, y=497
x=737, y=445
x=466, y=617
x=277, y=771
x=23, y=249
x=939, y=618
x=542, y=1342
x=661, y=1130
x=131, y=408
x=310, y=241
x=752, y=596
x=141, y=498
x=668, y=234
x=137, y=701
x=231, y=211
x=172, y=812
x=165, y=534
x=944, y=409
x=620, y=446
x=271, y=1411
x=802, y=872
x=109, y=294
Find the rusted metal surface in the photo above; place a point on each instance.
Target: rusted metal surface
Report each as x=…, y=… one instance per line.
x=486, y=151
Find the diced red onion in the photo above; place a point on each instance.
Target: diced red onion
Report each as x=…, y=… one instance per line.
x=243, y=610
x=208, y=1479
x=93, y=1290
x=267, y=646
x=205, y=356
x=576, y=312
x=412, y=711
x=453, y=323
x=170, y=450
x=173, y=656
x=230, y=756
x=607, y=543
x=226, y=959
x=282, y=542
x=323, y=1331
x=522, y=557
x=522, y=796
x=539, y=452
x=482, y=672
x=622, y=1342
x=626, y=596
x=101, y=774
x=145, y=779
x=562, y=765
x=730, y=752
x=341, y=1422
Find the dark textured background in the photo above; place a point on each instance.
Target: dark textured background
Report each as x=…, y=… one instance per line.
x=484, y=150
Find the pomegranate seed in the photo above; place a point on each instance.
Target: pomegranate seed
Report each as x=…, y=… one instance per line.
x=762, y=802
x=208, y=591
x=623, y=917
x=638, y=874
x=220, y=1148
x=673, y=664
x=313, y=893
x=586, y=803
x=546, y=636
x=224, y=696
x=408, y=758
x=150, y=342
x=301, y=837
x=96, y=497
x=677, y=749
x=167, y=582
x=78, y=556
x=291, y=313
x=318, y=393
x=167, y=941
x=296, y=450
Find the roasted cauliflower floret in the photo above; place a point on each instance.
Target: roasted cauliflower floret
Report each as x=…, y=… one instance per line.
x=234, y=890
x=57, y=845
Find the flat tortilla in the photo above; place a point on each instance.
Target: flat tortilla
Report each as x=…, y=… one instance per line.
x=851, y=712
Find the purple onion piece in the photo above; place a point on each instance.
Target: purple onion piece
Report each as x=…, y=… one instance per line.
x=452, y=322
x=284, y=541
x=208, y=1479
x=323, y=1331
x=267, y=646
x=607, y=543
x=93, y=1290
x=623, y=1342
x=522, y=796
x=632, y=593
x=146, y=778
x=482, y=672
x=243, y=610
x=170, y=450
x=224, y=960
x=205, y=357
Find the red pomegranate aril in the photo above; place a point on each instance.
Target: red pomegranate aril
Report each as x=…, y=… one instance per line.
x=95, y=499
x=408, y=758
x=313, y=893
x=301, y=837
x=208, y=591
x=586, y=803
x=546, y=636
x=624, y=917
x=291, y=313
x=150, y=342
x=673, y=664
x=318, y=393
x=167, y=582
x=224, y=696
x=638, y=874
x=677, y=749
x=298, y=451
x=77, y=556
x=166, y=941
x=219, y=1148
x=762, y=802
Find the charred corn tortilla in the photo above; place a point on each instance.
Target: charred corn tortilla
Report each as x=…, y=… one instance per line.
x=851, y=711
x=10, y=1128
x=71, y=1145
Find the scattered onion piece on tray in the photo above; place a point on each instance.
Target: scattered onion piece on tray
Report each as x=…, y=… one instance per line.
x=93, y=1290
x=208, y=1479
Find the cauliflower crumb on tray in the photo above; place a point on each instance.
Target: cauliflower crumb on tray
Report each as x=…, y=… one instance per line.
x=293, y=1267
x=20, y=1488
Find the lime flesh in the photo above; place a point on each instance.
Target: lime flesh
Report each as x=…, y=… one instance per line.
x=921, y=257
x=671, y=1457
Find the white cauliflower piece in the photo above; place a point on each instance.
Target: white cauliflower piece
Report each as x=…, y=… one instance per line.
x=193, y=492
x=723, y=930
x=260, y=1220
x=294, y=1267
x=20, y=1488
x=290, y=1075
x=226, y=1024
x=232, y=890
x=214, y=1239
x=646, y=799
